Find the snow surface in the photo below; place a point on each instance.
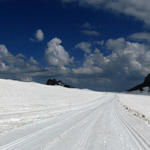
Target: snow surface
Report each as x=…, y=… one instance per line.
x=22, y=103
x=40, y=117
x=138, y=104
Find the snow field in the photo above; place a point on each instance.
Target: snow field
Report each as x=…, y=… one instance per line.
x=23, y=103
x=40, y=117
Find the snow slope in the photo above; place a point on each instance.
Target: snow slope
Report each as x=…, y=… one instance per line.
x=23, y=103
x=58, y=118
x=138, y=105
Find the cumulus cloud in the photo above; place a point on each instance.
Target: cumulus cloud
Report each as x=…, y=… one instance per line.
x=33, y=61
x=127, y=61
x=136, y=8
x=39, y=36
x=131, y=56
x=90, y=32
x=87, y=70
x=92, y=63
x=115, y=44
x=56, y=54
x=89, y=29
x=16, y=67
x=87, y=25
x=85, y=46
x=21, y=68
x=101, y=43
x=140, y=36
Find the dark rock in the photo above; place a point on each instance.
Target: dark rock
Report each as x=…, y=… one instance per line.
x=147, y=80
x=141, y=86
x=57, y=82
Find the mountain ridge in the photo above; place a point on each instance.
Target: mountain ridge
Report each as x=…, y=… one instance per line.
x=141, y=87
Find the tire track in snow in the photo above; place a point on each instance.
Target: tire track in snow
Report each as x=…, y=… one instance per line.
x=93, y=127
x=77, y=115
x=37, y=126
x=143, y=144
x=79, y=133
x=133, y=133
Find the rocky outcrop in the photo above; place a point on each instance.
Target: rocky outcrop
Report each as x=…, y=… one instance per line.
x=140, y=87
x=57, y=82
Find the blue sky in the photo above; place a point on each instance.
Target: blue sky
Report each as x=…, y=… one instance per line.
x=87, y=43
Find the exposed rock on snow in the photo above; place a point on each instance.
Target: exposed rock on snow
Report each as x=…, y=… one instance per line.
x=57, y=82
x=143, y=87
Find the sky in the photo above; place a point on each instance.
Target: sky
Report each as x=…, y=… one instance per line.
x=92, y=44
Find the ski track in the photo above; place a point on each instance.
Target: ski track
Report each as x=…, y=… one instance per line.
x=102, y=124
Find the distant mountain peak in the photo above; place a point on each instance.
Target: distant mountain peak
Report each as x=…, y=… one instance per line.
x=141, y=87
x=147, y=80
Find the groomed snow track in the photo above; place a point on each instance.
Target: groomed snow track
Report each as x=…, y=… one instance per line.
x=101, y=125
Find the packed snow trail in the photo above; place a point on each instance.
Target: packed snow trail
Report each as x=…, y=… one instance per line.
x=103, y=124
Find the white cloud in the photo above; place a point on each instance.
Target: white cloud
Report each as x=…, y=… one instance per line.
x=3, y=51
x=3, y=66
x=90, y=32
x=39, y=35
x=136, y=8
x=56, y=55
x=89, y=29
x=116, y=43
x=87, y=70
x=91, y=64
x=87, y=25
x=16, y=67
x=33, y=61
x=126, y=62
x=85, y=46
x=140, y=36
x=101, y=43
x=129, y=56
